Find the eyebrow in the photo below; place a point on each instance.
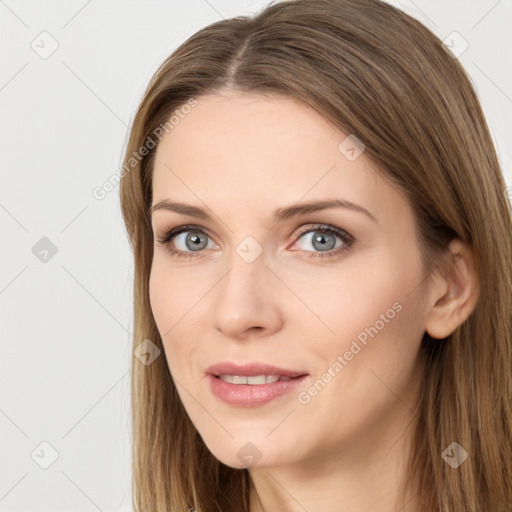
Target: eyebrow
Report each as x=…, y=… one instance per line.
x=279, y=215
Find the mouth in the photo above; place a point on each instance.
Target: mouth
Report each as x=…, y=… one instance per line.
x=252, y=370
x=252, y=384
x=253, y=380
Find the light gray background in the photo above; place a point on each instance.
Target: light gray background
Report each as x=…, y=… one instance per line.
x=66, y=322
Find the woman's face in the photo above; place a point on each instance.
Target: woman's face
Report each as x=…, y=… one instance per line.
x=255, y=281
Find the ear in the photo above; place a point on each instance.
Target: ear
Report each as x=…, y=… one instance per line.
x=454, y=292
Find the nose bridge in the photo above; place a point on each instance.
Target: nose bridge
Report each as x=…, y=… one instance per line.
x=247, y=263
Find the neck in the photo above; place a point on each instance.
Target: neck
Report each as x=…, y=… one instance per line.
x=365, y=475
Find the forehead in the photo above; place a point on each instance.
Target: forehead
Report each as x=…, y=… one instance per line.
x=260, y=150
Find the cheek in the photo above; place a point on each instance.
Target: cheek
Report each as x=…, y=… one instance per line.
x=179, y=303
x=172, y=293
x=368, y=312
x=166, y=304
x=378, y=327
x=159, y=297
x=335, y=304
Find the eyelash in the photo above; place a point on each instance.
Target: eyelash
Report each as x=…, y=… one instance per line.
x=346, y=238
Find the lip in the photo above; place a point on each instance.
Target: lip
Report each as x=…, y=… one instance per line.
x=247, y=395
x=251, y=369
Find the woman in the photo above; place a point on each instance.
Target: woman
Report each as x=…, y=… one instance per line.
x=322, y=244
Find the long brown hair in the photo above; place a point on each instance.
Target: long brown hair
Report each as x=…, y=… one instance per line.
x=380, y=74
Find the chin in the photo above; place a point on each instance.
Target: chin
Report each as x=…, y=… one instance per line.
x=241, y=453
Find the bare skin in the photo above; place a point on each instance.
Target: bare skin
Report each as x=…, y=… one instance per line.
x=344, y=446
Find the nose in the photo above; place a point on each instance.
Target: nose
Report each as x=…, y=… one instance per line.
x=246, y=301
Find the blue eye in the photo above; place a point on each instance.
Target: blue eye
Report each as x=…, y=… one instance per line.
x=196, y=237
x=321, y=236
x=324, y=238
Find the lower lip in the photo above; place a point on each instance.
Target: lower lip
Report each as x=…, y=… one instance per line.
x=248, y=395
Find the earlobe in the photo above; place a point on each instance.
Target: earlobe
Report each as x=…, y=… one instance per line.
x=455, y=292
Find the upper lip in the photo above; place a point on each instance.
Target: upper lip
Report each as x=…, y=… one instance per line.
x=251, y=369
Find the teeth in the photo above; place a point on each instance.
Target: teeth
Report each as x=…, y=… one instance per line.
x=252, y=380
